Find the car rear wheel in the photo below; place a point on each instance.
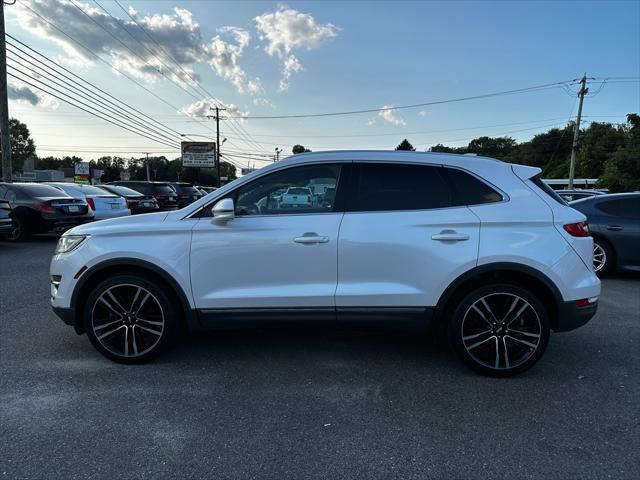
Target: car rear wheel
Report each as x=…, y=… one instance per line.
x=602, y=257
x=19, y=232
x=130, y=318
x=499, y=330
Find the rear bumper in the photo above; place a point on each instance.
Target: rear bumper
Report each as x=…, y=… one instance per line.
x=62, y=224
x=570, y=316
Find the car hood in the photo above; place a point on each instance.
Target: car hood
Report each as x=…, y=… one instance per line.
x=133, y=223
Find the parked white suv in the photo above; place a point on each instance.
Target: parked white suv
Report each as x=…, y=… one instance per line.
x=481, y=246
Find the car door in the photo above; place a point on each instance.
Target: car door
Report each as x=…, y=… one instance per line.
x=270, y=255
x=619, y=222
x=403, y=239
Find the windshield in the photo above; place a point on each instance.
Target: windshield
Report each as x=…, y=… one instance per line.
x=163, y=188
x=91, y=190
x=186, y=189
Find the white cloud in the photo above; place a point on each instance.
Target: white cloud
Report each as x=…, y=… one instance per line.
x=290, y=66
x=371, y=121
x=178, y=35
x=26, y=94
x=263, y=102
x=423, y=113
x=388, y=115
x=287, y=29
x=203, y=108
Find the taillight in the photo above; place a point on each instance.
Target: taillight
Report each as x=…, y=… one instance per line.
x=580, y=229
x=92, y=205
x=130, y=203
x=44, y=207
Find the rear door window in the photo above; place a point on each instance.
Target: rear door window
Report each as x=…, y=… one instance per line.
x=394, y=186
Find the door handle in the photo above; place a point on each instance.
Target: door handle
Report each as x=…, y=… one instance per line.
x=450, y=236
x=614, y=228
x=307, y=240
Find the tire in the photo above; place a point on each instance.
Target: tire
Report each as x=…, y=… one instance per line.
x=131, y=318
x=482, y=334
x=603, y=257
x=19, y=232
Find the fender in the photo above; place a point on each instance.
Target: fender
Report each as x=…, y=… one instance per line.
x=497, y=267
x=130, y=262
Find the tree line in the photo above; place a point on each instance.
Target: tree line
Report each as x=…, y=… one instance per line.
x=606, y=151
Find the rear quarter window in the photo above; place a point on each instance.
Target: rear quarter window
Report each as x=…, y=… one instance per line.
x=470, y=190
x=537, y=181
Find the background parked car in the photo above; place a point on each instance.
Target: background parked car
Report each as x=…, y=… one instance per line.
x=104, y=204
x=6, y=220
x=39, y=208
x=297, y=197
x=186, y=192
x=136, y=201
x=206, y=190
x=577, y=194
x=161, y=191
x=614, y=221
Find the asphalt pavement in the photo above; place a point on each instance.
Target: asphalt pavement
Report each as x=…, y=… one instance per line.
x=307, y=403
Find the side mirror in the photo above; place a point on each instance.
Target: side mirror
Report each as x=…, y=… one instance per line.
x=223, y=211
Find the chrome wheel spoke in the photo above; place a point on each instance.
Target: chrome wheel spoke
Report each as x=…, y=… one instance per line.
x=477, y=344
x=126, y=342
x=526, y=334
x=475, y=335
x=133, y=302
x=517, y=315
x=104, y=325
x=106, y=334
x=115, y=300
x=497, y=364
x=482, y=315
x=144, y=300
x=506, y=354
x=150, y=330
x=523, y=342
x=150, y=322
x=110, y=307
x=486, y=305
x=133, y=340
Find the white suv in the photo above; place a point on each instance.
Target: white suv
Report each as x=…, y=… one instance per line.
x=480, y=246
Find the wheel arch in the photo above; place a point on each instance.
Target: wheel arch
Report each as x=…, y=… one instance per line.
x=521, y=275
x=97, y=273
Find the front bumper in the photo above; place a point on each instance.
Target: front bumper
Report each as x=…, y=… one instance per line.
x=571, y=316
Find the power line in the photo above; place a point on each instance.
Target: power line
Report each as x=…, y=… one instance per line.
x=84, y=109
x=238, y=128
x=88, y=95
x=415, y=105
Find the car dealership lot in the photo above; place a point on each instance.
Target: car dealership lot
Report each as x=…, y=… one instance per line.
x=308, y=403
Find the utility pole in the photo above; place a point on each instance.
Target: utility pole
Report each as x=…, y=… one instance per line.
x=217, y=109
x=148, y=176
x=5, y=139
x=574, y=146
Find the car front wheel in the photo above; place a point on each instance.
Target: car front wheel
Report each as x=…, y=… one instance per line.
x=499, y=330
x=130, y=318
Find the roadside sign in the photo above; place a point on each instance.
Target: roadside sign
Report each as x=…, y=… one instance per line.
x=198, y=154
x=81, y=172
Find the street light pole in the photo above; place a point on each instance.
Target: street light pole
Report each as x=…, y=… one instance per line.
x=218, y=144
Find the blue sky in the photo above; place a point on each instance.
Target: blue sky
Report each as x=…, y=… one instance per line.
x=349, y=55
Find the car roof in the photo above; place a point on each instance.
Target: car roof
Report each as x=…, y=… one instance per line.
x=606, y=197
x=386, y=155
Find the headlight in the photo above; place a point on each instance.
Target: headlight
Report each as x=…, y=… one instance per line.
x=69, y=242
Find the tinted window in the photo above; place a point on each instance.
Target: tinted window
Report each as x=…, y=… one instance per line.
x=272, y=194
x=386, y=186
x=470, y=190
x=621, y=207
x=37, y=190
x=537, y=181
x=185, y=189
x=163, y=188
x=124, y=191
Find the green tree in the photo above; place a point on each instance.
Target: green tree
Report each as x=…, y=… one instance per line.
x=405, y=145
x=299, y=149
x=22, y=145
x=622, y=170
x=498, y=147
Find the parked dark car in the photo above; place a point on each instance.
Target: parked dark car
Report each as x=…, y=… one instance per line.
x=136, y=201
x=41, y=208
x=186, y=192
x=163, y=193
x=577, y=194
x=6, y=217
x=614, y=221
